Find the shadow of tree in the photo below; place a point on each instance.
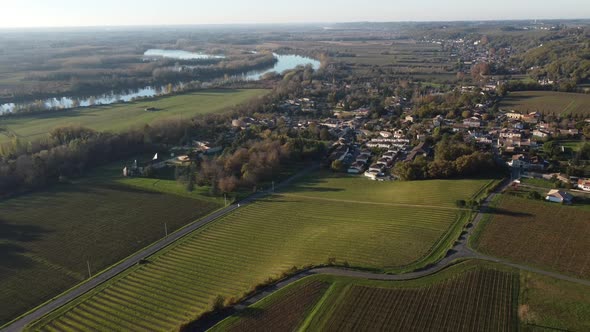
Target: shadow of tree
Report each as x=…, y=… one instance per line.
x=499, y=211
x=11, y=238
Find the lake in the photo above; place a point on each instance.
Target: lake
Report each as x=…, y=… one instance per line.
x=284, y=63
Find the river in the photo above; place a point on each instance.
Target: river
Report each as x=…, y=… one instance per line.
x=284, y=63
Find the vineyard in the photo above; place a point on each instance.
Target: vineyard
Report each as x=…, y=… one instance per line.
x=544, y=234
x=470, y=296
x=283, y=314
x=548, y=102
x=258, y=241
x=476, y=301
x=47, y=238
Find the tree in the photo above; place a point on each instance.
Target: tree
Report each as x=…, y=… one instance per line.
x=228, y=184
x=552, y=149
x=337, y=165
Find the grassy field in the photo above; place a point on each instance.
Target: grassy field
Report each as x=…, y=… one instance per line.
x=316, y=221
x=120, y=117
x=46, y=238
x=547, y=102
x=547, y=304
x=463, y=298
x=470, y=296
x=544, y=234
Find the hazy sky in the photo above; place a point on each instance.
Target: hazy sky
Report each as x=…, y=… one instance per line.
x=40, y=13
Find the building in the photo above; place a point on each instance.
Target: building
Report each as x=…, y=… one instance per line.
x=472, y=122
x=584, y=184
x=559, y=196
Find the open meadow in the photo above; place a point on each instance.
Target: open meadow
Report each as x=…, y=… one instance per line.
x=469, y=296
x=547, y=235
x=547, y=102
x=317, y=221
x=120, y=117
x=47, y=238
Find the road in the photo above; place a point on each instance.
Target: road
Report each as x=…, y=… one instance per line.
x=459, y=251
x=57, y=302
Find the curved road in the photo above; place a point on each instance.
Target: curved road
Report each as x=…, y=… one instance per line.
x=459, y=251
x=55, y=303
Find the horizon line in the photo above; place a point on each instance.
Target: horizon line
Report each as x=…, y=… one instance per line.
x=171, y=25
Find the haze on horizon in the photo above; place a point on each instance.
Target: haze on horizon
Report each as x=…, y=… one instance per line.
x=72, y=13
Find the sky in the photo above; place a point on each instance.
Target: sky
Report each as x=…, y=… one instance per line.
x=65, y=13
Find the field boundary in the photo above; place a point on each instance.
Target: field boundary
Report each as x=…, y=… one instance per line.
x=372, y=203
x=106, y=269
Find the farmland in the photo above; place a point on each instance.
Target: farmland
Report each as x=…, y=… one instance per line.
x=48, y=237
x=547, y=102
x=544, y=234
x=550, y=304
x=119, y=117
x=284, y=313
x=312, y=223
x=463, y=298
x=470, y=296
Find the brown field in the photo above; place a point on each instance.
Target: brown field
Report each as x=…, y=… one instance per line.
x=547, y=102
x=285, y=314
x=480, y=300
x=544, y=234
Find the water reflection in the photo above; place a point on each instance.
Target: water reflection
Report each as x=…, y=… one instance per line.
x=284, y=63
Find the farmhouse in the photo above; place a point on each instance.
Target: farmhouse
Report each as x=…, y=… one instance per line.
x=559, y=196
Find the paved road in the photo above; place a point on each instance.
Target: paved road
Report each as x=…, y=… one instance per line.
x=59, y=301
x=459, y=251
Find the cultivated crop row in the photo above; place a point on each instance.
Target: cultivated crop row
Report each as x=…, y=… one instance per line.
x=544, y=234
x=231, y=256
x=284, y=314
x=54, y=234
x=475, y=301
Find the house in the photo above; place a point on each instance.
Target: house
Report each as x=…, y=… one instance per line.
x=519, y=161
x=514, y=116
x=584, y=184
x=438, y=121
x=376, y=168
x=541, y=133
x=356, y=168
x=559, y=196
x=472, y=122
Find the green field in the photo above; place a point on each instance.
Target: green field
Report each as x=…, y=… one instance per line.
x=120, y=117
x=470, y=296
x=547, y=102
x=547, y=304
x=463, y=298
x=317, y=220
x=47, y=238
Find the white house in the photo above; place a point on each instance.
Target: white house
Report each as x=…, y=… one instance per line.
x=559, y=196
